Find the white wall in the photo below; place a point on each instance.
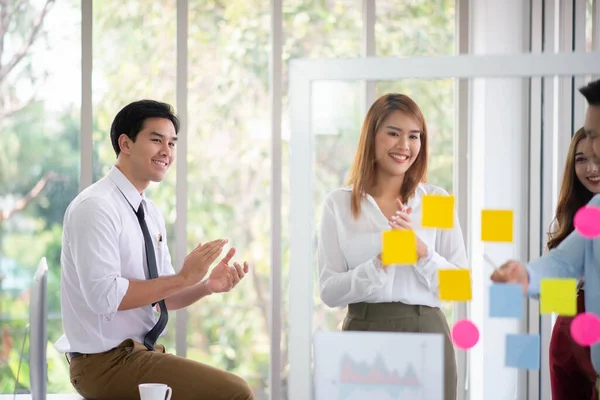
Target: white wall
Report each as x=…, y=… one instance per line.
x=500, y=111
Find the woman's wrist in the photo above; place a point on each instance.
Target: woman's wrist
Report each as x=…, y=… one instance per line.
x=422, y=250
x=378, y=263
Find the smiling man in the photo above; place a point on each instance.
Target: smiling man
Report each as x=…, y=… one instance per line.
x=117, y=275
x=576, y=256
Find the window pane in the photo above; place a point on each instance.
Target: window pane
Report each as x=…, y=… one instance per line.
x=39, y=175
x=510, y=148
x=134, y=58
x=318, y=29
x=414, y=28
x=229, y=176
x=336, y=122
x=322, y=29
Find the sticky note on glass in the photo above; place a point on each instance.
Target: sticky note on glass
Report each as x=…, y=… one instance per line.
x=399, y=247
x=455, y=284
x=506, y=300
x=558, y=296
x=497, y=226
x=523, y=351
x=438, y=211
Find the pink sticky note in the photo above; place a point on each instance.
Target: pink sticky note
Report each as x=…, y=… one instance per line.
x=585, y=329
x=587, y=221
x=465, y=334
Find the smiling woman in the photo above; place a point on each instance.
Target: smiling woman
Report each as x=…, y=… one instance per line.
x=386, y=188
x=394, y=127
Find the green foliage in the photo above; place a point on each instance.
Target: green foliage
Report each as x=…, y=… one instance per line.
x=36, y=231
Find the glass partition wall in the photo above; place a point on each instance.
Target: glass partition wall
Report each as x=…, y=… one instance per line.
x=513, y=160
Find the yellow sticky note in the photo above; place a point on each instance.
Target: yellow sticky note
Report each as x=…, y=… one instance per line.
x=558, y=296
x=497, y=226
x=438, y=211
x=455, y=284
x=399, y=247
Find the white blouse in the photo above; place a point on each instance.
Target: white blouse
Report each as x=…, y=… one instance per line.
x=349, y=270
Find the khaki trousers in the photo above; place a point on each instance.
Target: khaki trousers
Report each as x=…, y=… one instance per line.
x=400, y=317
x=116, y=374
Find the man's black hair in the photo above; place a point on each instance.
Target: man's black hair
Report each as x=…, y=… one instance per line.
x=591, y=92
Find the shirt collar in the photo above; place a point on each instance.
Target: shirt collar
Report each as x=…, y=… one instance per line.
x=131, y=194
x=347, y=188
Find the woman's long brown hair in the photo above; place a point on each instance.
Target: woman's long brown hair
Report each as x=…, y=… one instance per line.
x=573, y=196
x=362, y=172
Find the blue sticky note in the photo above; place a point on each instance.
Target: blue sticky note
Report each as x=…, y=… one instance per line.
x=523, y=351
x=506, y=300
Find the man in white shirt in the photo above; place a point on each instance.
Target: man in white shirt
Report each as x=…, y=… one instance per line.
x=116, y=272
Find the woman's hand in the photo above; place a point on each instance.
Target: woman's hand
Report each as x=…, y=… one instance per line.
x=402, y=220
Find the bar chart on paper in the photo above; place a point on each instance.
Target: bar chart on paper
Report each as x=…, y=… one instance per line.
x=365, y=377
x=374, y=365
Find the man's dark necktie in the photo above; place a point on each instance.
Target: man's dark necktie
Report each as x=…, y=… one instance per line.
x=155, y=332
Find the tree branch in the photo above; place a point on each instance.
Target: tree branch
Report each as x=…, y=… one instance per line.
x=9, y=108
x=33, y=193
x=7, y=345
x=17, y=57
x=4, y=22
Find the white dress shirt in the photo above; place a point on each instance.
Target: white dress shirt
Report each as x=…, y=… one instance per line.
x=349, y=270
x=102, y=249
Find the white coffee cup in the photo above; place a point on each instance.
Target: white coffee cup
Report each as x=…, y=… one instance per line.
x=155, y=391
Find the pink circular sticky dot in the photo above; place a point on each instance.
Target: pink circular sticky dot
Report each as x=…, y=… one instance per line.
x=465, y=334
x=587, y=221
x=585, y=329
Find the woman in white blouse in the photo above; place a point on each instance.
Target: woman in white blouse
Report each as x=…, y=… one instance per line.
x=385, y=191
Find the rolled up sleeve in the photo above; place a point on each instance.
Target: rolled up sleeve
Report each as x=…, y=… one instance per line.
x=94, y=243
x=338, y=285
x=564, y=261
